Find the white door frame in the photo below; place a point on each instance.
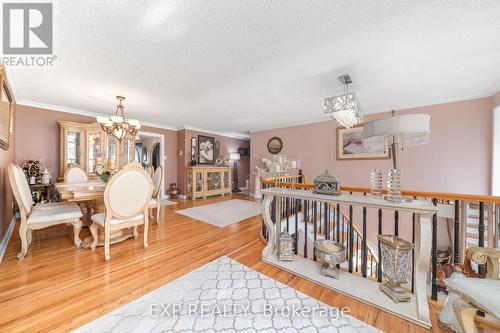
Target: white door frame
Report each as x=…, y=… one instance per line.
x=495, y=173
x=163, y=157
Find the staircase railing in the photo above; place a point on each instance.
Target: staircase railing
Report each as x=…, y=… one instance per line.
x=474, y=221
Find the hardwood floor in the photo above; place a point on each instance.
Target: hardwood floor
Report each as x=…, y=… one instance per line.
x=58, y=287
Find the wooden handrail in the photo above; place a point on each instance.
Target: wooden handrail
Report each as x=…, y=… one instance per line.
x=410, y=193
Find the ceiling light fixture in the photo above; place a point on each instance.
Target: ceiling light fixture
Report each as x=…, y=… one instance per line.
x=345, y=109
x=118, y=125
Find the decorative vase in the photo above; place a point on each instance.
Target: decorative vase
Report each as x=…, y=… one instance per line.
x=173, y=191
x=395, y=256
x=330, y=254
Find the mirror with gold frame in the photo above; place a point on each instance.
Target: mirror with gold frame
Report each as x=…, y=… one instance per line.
x=6, y=112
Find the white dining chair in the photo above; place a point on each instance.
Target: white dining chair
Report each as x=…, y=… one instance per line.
x=154, y=203
x=126, y=199
x=149, y=169
x=40, y=216
x=75, y=174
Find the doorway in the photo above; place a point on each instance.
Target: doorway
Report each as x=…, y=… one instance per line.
x=150, y=151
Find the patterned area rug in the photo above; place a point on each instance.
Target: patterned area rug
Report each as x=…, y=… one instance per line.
x=223, y=213
x=225, y=296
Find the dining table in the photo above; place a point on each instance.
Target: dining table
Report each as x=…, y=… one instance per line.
x=90, y=198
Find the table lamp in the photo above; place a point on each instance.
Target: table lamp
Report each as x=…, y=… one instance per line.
x=399, y=131
x=235, y=157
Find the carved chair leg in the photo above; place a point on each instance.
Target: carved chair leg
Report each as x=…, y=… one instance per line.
x=135, y=233
x=23, y=234
x=157, y=213
x=93, y=231
x=29, y=235
x=77, y=226
x=106, y=244
x=467, y=320
x=146, y=228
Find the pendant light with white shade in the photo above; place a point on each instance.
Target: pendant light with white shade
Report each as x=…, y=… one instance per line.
x=398, y=131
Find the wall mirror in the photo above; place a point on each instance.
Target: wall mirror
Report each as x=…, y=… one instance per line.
x=193, y=150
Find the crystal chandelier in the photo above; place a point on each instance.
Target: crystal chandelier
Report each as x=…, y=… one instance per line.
x=345, y=109
x=118, y=125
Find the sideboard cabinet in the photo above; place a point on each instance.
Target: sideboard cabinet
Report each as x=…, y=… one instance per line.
x=87, y=145
x=202, y=181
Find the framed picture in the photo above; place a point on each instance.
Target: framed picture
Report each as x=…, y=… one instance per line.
x=350, y=146
x=206, y=149
x=274, y=145
x=6, y=112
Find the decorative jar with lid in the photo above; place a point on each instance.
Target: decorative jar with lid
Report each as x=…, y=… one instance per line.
x=327, y=184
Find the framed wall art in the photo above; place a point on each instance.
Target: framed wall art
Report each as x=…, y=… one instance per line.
x=206, y=145
x=350, y=146
x=6, y=112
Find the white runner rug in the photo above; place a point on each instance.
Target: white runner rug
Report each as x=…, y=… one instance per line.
x=223, y=213
x=225, y=296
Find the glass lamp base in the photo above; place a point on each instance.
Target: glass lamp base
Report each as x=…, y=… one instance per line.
x=399, y=199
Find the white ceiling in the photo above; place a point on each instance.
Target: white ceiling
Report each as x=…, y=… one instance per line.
x=238, y=66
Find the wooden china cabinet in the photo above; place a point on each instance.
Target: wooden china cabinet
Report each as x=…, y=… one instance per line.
x=87, y=145
x=204, y=181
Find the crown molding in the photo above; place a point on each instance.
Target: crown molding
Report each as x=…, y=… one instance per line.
x=226, y=134
x=84, y=113
x=149, y=124
x=487, y=94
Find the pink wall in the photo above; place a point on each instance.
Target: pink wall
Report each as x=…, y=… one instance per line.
x=457, y=158
x=496, y=99
x=37, y=136
x=227, y=145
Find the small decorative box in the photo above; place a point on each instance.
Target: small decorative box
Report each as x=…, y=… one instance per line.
x=327, y=184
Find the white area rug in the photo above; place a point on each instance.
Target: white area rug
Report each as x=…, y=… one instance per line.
x=223, y=213
x=225, y=296
x=165, y=202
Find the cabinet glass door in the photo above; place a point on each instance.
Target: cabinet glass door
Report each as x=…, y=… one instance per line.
x=93, y=150
x=199, y=181
x=128, y=151
x=73, y=147
x=112, y=152
x=226, y=179
x=214, y=180
x=189, y=182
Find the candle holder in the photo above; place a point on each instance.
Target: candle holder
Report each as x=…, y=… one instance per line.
x=376, y=187
x=285, y=247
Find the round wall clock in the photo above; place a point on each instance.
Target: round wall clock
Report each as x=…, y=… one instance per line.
x=274, y=145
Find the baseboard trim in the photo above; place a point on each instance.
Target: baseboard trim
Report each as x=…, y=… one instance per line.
x=182, y=196
x=6, y=238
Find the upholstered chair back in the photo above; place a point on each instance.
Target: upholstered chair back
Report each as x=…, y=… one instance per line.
x=75, y=174
x=157, y=179
x=20, y=187
x=128, y=191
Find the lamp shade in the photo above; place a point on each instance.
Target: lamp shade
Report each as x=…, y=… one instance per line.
x=234, y=157
x=407, y=130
